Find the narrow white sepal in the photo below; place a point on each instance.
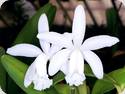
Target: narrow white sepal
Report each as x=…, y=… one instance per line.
x=43, y=25
x=95, y=63
x=97, y=42
x=26, y=50
x=42, y=28
x=79, y=24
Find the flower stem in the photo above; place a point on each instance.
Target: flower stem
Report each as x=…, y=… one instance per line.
x=81, y=89
x=73, y=90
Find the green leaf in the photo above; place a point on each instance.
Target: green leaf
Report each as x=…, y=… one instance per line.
x=88, y=71
x=29, y=32
x=16, y=70
x=51, y=90
x=112, y=22
x=58, y=78
x=2, y=72
x=118, y=79
x=2, y=77
x=115, y=79
x=102, y=86
x=82, y=89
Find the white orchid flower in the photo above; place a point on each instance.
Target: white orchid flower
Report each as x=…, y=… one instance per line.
x=71, y=59
x=1, y=2
x=37, y=72
x=122, y=1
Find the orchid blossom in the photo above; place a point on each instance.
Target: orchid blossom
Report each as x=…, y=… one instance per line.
x=2, y=1
x=37, y=72
x=71, y=57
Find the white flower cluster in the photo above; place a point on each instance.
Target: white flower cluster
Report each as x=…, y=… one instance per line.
x=65, y=52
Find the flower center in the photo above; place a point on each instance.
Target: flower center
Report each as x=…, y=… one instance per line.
x=76, y=62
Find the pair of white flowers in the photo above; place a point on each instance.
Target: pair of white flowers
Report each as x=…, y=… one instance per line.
x=65, y=52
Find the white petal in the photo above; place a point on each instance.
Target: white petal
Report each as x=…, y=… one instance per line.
x=42, y=28
x=41, y=64
x=76, y=62
x=95, y=63
x=45, y=46
x=55, y=38
x=43, y=24
x=42, y=83
x=57, y=61
x=29, y=76
x=69, y=36
x=26, y=50
x=98, y=42
x=75, y=79
x=64, y=68
x=79, y=24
